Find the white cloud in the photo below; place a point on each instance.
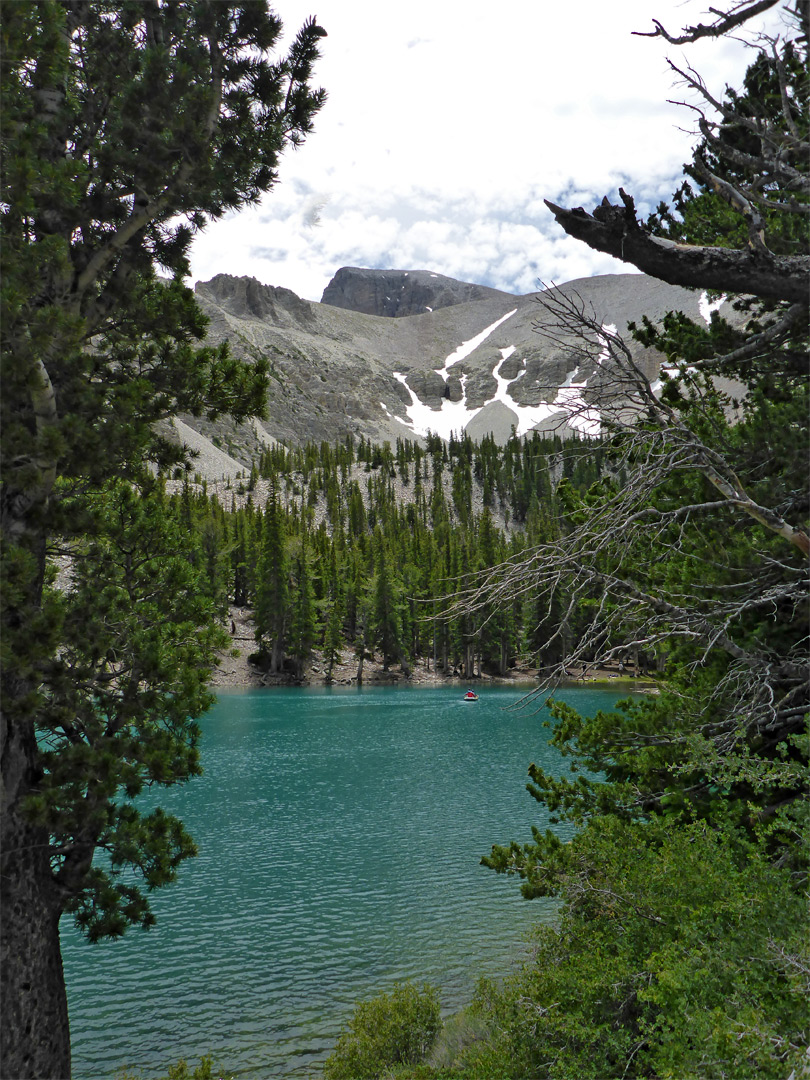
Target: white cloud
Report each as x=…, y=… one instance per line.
x=448, y=124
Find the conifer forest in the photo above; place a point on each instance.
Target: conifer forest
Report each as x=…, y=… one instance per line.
x=363, y=547
x=673, y=545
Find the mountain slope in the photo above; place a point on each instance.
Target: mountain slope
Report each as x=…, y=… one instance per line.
x=475, y=364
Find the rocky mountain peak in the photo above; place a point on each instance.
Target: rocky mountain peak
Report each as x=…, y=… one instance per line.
x=398, y=293
x=247, y=298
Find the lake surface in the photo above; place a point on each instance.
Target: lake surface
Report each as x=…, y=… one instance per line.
x=340, y=832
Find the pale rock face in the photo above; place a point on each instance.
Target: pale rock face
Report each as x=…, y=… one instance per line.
x=373, y=360
x=249, y=299
x=428, y=386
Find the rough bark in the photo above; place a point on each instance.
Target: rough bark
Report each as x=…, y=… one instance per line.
x=34, y=1042
x=276, y=655
x=616, y=231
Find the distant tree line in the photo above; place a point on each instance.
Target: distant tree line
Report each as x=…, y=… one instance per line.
x=362, y=546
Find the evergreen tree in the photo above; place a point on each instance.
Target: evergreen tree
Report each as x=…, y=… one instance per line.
x=272, y=606
x=333, y=623
x=241, y=562
x=125, y=128
x=303, y=630
x=214, y=557
x=387, y=621
x=701, y=553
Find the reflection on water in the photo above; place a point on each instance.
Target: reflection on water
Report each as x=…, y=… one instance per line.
x=340, y=832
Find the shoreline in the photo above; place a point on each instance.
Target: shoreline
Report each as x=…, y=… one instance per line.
x=235, y=672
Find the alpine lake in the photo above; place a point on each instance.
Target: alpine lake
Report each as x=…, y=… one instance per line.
x=340, y=832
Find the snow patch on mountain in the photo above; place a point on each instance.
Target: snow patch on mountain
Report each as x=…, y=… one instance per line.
x=527, y=415
x=467, y=347
x=454, y=416
x=582, y=416
x=571, y=401
x=707, y=306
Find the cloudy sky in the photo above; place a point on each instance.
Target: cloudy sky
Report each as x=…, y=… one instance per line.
x=449, y=121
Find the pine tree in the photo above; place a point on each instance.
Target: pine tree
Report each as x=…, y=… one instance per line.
x=690, y=804
x=240, y=543
x=272, y=606
x=333, y=622
x=303, y=629
x=125, y=127
x=387, y=620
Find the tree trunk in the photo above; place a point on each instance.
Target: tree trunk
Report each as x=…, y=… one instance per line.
x=361, y=653
x=469, y=660
x=276, y=656
x=34, y=1034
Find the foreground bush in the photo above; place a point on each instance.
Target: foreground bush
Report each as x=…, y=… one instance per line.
x=206, y=1070
x=399, y=1028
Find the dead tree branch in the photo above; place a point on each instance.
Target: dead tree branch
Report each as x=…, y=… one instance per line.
x=616, y=231
x=609, y=558
x=726, y=21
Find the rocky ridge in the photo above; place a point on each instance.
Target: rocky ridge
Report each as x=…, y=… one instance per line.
x=475, y=362
x=398, y=293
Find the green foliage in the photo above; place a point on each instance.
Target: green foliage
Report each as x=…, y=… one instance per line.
x=272, y=584
x=386, y=623
x=393, y=1029
x=393, y=561
x=680, y=950
x=679, y=954
x=126, y=127
x=117, y=705
x=206, y=1070
x=303, y=630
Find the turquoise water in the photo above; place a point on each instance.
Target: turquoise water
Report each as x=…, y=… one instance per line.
x=340, y=832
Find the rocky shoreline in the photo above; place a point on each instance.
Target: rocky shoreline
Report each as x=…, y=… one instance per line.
x=236, y=672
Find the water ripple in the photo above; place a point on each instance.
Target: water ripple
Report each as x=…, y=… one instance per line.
x=340, y=835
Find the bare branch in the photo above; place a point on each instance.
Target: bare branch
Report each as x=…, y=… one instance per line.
x=775, y=141
x=738, y=202
x=761, y=343
x=629, y=381
x=598, y=567
x=787, y=110
x=730, y=20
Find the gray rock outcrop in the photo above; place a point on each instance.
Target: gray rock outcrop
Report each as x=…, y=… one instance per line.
x=395, y=294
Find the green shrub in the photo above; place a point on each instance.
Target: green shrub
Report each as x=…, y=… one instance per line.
x=206, y=1070
x=399, y=1028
